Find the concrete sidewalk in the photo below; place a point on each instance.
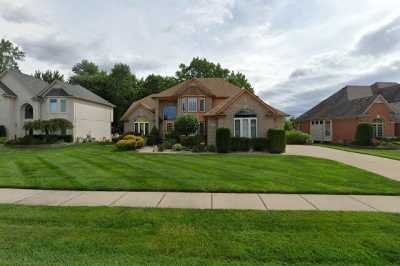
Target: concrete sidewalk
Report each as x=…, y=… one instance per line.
x=379, y=165
x=201, y=200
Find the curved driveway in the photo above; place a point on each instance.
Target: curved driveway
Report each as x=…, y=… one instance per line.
x=382, y=166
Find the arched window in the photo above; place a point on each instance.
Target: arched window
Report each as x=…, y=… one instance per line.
x=28, y=112
x=378, y=126
x=245, y=124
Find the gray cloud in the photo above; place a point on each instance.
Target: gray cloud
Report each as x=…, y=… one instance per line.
x=380, y=41
x=54, y=50
x=18, y=14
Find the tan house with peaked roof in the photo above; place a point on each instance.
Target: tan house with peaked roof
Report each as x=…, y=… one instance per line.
x=215, y=102
x=24, y=98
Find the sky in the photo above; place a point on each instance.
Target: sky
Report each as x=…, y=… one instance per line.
x=294, y=53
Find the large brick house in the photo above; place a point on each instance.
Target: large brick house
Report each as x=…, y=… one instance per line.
x=336, y=118
x=215, y=102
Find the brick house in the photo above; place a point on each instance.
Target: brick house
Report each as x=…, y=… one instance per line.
x=336, y=118
x=215, y=102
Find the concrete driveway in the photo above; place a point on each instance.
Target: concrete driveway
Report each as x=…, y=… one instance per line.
x=382, y=166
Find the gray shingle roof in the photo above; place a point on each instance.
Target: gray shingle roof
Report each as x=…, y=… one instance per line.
x=39, y=88
x=32, y=84
x=345, y=102
x=59, y=88
x=6, y=89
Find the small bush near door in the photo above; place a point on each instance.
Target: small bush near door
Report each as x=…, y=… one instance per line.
x=276, y=141
x=223, y=136
x=3, y=131
x=297, y=137
x=364, y=135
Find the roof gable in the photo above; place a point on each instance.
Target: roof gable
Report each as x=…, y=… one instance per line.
x=221, y=108
x=216, y=87
x=147, y=103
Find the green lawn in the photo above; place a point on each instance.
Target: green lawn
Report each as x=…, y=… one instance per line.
x=117, y=236
x=98, y=167
x=380, y=152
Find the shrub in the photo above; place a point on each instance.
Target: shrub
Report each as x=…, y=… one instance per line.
x=186, y=125
x=211, y=148
x=177, y=147
x=67, y=138
x=223, y=136
x=3, y=140
x=129, y=137
x=190, y=141
x=154, y=137
x=49, y=126
x=126, y=144
x=259, y=144
x=239, y=144
x=140, y=142
x=3, y=131
x=201, y=147
x=276, y=140
x=297, y=137
x=364, y=135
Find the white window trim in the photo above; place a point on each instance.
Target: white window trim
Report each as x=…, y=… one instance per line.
x=188, y=104
x=139, y=127
x=375, y=125
x=241, y=126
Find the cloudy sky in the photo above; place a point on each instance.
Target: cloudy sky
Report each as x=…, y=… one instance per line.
x=294, y=52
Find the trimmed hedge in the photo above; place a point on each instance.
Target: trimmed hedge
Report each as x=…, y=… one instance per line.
x=297, y=137
x=364, y=135
x=259, y=144
x=239, y=144
x=223, y=136
x=276, y=141
x=3, y=131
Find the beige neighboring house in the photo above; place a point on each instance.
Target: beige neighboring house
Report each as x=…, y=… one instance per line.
x=24, y=98
x=215, y=102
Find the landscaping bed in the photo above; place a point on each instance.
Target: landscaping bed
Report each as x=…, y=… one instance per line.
x=103, y=167
x=118, y=236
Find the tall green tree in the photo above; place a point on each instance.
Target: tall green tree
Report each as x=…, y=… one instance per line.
x=154, y=84
x=10, y=55
x=202, y=68
x=122, y=89
x=49, y=76
x=85, y=67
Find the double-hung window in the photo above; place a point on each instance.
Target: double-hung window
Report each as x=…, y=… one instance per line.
x=378, y=128
x=184, y=105
x=53, y=105
x=63, y=106
x=192, y=104
x=245, y=127
x=202, y=104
